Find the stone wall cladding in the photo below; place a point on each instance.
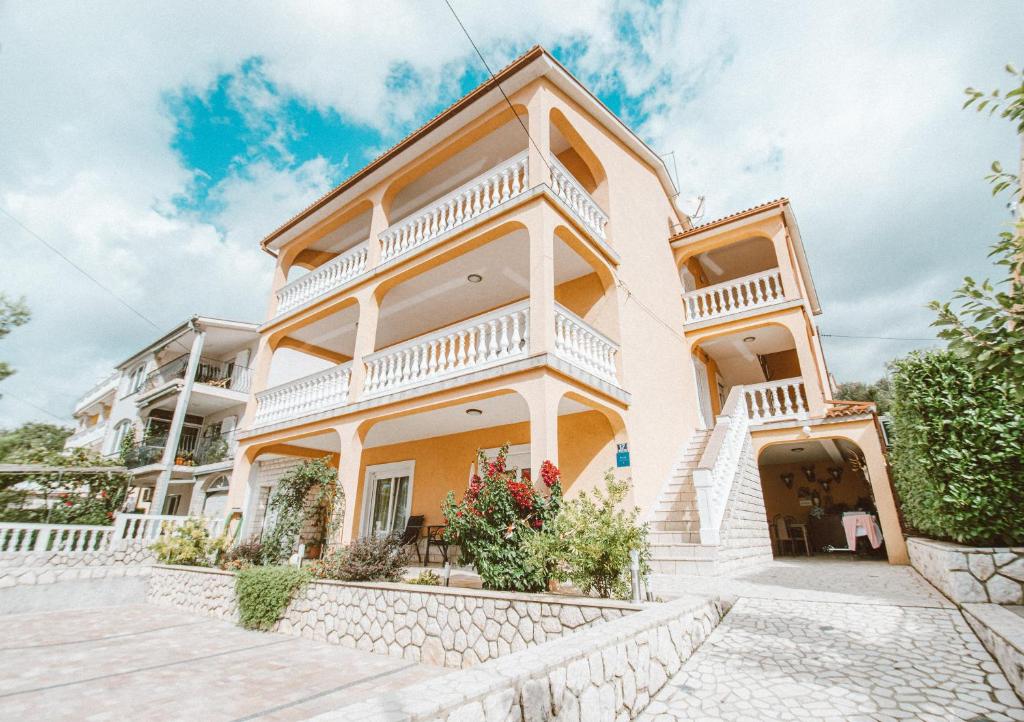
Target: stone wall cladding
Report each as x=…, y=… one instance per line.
x=744, y=539
x=33, y=568
x=453, y=627
x=1002, y=633
x=604, y=673
x=970, y=574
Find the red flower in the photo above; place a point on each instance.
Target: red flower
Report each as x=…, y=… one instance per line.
x=550, y=474
x=537, y=523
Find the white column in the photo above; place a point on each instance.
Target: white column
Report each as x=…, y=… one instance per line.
x=180, y=409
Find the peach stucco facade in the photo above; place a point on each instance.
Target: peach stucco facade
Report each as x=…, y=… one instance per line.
x=476, y=286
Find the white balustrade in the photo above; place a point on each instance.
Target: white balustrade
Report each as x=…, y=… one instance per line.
x=495, y=337
x=479, y=195
x=569, y=190
x=84, y=437
x=783, y=399
x=323, y=390
x=719, y=464
x=100, y=389
x=26, y=537
x=319, y=281
x=739, y=294
x=577, y=342
x=145, y=528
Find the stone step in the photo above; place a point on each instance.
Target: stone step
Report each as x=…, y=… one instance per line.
x=686, y=504
x=687, y=513
x=691, y=526
x=684, y=551
x=656, y=537
x=684, y=567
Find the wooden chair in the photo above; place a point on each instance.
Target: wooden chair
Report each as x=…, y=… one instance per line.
x=411, y=535
x=787, y=531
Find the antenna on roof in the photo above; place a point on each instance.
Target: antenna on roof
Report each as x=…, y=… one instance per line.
x=693, y=206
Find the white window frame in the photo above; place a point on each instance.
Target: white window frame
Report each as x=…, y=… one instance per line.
x=392, y=469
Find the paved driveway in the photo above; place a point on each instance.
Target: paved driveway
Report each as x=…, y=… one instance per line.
x=142, y=662
x=834, y=640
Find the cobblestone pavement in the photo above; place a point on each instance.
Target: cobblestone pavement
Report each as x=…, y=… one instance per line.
x=833, y=640
x=142, y=662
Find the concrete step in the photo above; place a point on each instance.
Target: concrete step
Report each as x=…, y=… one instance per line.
x=658, y=538
x=684, y=551
x=686, y=513
x=684, y=567
x=670, y=505
x=690, y=526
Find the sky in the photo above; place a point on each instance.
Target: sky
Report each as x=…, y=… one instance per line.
x=155, y=145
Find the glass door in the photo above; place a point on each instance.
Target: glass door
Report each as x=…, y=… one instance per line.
x=389, y=493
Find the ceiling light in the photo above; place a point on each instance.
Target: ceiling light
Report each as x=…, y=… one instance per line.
x=474, y=278
x=797, y=449
x=474, y=412
x=749, y=339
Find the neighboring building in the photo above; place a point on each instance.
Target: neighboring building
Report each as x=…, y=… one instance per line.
x=179, y=401
x=473, y=286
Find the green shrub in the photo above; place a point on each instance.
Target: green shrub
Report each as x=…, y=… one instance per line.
x=370, y=559
x=497, y=516
x=309, y=492
x=958, y=454
x=425, y=578
x=264, y=592
x=590, y=540
x=189, y=544
x=245, y=554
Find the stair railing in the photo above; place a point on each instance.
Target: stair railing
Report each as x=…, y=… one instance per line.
x=714, y=475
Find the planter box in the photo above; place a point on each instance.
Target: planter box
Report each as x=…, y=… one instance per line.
x=970, y=574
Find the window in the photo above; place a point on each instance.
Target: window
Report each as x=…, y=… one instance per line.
x=173, y=502
x=120, y=432
x=388, y=495
x=147, y=494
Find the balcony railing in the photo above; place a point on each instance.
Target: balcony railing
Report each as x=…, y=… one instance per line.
x=331, y=275
x=213, y=449
x=774, y=400
x=569, y=190
x=577, y=342
x=222, y=374
x=98, y=390
x=84, y=437
x=309, y=394
x=739, y=294
x=479, y=195
x=470, y=345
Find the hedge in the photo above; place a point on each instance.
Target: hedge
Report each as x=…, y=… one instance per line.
x=958, y=452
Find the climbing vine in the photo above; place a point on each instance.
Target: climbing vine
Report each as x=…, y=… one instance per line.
x=308, y=493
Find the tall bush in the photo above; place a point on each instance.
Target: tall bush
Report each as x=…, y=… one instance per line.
x=496, y=518
x=590, y=540
x=958, y=455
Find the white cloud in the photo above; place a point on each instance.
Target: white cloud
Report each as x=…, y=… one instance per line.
x=853, y=113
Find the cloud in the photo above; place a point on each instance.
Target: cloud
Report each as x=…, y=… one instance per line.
x=853, y=113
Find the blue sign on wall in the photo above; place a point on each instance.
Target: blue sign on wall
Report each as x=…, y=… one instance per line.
x=622, y=455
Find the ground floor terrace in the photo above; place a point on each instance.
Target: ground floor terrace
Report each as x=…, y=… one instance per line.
x=397, y=464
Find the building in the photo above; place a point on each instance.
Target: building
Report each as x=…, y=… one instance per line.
x=171, y=411
x=476, y=285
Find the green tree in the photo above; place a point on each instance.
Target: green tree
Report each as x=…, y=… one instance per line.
x=880, y=392
x=32, y=441
x=13, y=313
x=985, y=321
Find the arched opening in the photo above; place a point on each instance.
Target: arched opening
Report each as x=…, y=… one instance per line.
x=322, y=344
x=347, y=233
x=271, y=463
x=764, y=361
x=818, y=499
x=215, y=497
x=588, y=435
x=731, y=278
x=573, y=153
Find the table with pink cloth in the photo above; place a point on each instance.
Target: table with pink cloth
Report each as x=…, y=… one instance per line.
x=857, y=524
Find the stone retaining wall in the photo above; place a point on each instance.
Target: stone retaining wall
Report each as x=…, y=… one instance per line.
x=608, y=672
x=970, y=574
x=1002, y=633
x=33, y=568
x=447, y=626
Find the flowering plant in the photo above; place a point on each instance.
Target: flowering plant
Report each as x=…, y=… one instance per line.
x=496, y=517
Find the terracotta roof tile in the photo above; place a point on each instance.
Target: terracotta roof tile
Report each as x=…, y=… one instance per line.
x=731, y=217
x=849, y=408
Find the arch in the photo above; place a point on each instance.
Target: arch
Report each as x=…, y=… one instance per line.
x=579, y=158
x=300, y=252
x=588, y=433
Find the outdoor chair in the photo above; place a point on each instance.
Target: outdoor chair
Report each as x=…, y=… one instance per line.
x=411, y=535
x=787, y=531
x=435, y=538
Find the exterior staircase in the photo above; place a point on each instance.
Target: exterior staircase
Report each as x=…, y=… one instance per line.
x=675, y=523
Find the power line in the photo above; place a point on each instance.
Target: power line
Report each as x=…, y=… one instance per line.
x=500, y=89
x=37, y=408
x=80, y=269
x=880, y=338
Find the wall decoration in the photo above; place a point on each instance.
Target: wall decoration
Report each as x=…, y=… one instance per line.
x=787, y=479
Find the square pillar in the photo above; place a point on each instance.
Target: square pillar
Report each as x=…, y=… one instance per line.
x=349, y=463
x=378, y=224
x=541, y=227
x=366, y=339
x=539, y=150
x=542, y=395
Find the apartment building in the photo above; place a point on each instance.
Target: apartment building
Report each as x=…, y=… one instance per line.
x=171, y=412
x=516, y=271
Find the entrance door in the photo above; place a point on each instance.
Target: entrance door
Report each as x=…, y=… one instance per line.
x=388, y=494
x=700, y=371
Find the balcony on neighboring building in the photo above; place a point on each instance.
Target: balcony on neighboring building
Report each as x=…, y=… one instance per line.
x=221, y=384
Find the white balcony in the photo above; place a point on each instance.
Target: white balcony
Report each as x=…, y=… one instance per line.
x=317, y=392
x=731, y=297
x=476, y=343
x=87, y=437
x=488, y=190
x=776, y=400
x=579, y=201
x=331, y=275
x=98, y=391
x=579, y=344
